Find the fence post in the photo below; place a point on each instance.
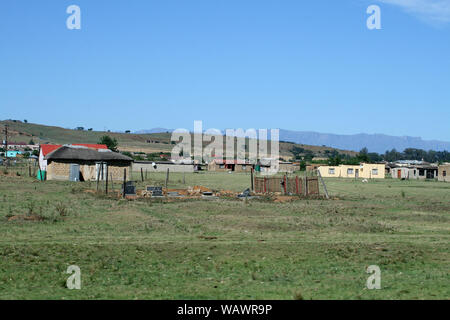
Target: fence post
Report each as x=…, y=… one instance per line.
x=167, y=178
x=142, y=175
x=305, y=192
x=323, y=184
x=98, y=177
x=285, y=184
x=106, y=181
x=296, y=184
x=112, y=183
x=124, y=180
x=251, y=179
x=265, y=188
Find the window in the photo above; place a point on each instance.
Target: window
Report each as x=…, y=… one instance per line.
x=331, y=171
x=421, y=172
x=444, y=173
x=374, y=172
x=349, y=171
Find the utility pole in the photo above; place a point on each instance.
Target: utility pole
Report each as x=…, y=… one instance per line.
x=6, y=142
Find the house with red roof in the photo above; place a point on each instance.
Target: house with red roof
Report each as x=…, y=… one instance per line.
x=45, y=149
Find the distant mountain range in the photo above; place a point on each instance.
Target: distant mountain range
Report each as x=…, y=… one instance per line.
x=154, y=130
x=374, y=142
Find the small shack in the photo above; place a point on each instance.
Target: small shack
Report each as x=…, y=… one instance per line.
x=78, y=163
x=288, y=167
x=45, y=149
x=419, y=172
x=220, y=165
x=444, y=173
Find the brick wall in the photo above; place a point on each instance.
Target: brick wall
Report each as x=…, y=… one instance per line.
x=57, y=170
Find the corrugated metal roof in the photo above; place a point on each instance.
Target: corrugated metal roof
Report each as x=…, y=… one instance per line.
x=47, y=148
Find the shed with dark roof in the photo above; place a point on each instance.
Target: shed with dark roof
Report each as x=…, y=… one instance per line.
x=79, y=163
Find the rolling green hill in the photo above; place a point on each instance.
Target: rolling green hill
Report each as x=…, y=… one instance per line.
x=19, y=131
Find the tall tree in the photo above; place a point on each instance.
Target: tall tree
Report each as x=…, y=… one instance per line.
x=111, y=143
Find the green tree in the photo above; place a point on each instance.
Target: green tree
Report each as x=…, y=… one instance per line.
x=363, y=155
x=335, y=161
x=111, y=143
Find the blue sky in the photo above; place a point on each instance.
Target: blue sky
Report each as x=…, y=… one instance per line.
x=299, y=65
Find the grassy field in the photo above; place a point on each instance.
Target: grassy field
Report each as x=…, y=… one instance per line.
x=225, y=249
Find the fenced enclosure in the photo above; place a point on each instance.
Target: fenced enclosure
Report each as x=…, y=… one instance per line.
x=287, y=185
x=20, y=167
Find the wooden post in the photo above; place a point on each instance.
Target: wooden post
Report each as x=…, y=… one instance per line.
x=124, y=180
x=29, y=171
x=265, y=188
x=167, y=178
x=106, y=180
x=184, y=177
x=305, y=192
x=251, y=179
x=145, y=174
x=323, y=184
x=98, y=177
x=112, y=182
x=296, y=184
x=285, y=184
x=142, y=175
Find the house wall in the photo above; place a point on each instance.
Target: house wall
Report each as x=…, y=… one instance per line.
x=212, y=166
x=243, y=167
x=12, y=154
x=441, y=176
x=404, y=173
x=366, y=171
x=162, y=167
x=42, y=162
x=287, y=167
x=59, y=170
x=412, y=173
x=314, y=166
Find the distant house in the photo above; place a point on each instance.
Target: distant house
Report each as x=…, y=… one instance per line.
x=12, y=153
x=314, y=166
x=79, y=163
x=444, y=173
x=220, y=165
x=45, y=149
x=419, y=171
x=283, y=166
x=363, y=170
x=17, y=145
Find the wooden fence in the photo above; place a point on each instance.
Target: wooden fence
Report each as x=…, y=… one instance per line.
x=287, y=185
